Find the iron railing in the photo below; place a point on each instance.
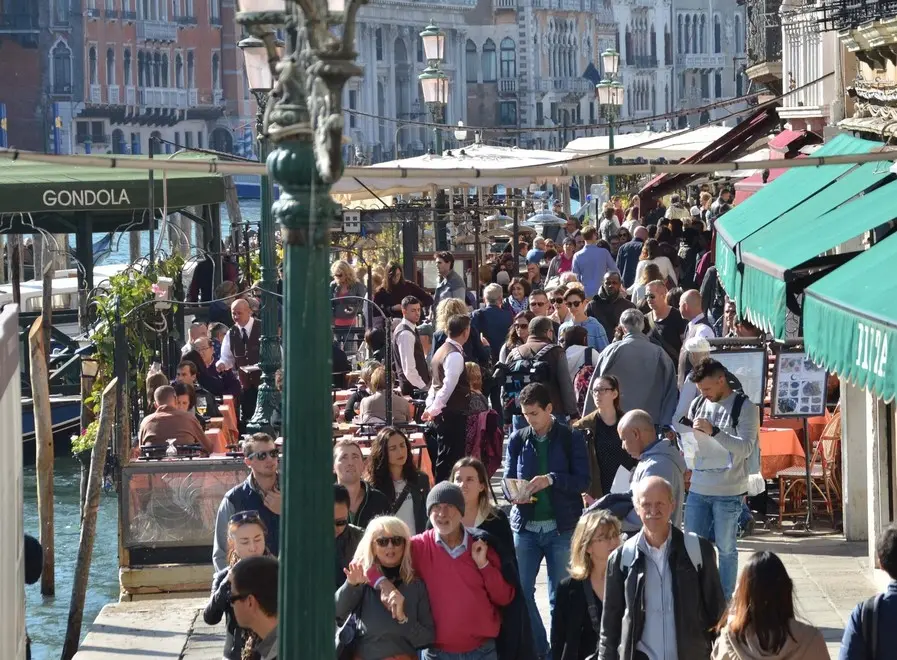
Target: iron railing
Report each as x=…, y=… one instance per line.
x=764, y=31
x=848, y=14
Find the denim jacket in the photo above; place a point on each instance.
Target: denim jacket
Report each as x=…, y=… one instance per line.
x=568, y=466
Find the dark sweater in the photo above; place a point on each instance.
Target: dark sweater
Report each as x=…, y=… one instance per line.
x=219, y=606
x=388, y=299
x=374, y=504
x=573, y=635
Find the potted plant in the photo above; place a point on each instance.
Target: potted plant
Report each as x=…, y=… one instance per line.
x=82, y=445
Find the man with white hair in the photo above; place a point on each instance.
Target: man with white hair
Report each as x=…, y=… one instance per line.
x=535, y=255
x=646, y=374
x=662, y=592
x=494, y=320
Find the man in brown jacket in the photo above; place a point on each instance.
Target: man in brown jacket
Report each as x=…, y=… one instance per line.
x=559, y=383
x=169, y=422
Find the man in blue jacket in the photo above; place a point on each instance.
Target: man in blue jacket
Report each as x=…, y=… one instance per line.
x=870, y=631
x=553, y=459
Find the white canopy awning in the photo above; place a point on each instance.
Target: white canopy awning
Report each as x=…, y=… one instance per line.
x=672, y=145
x=485, y=158
x=760, y=154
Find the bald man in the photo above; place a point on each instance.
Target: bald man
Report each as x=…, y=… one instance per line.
x=240, y=348
x=691, y=309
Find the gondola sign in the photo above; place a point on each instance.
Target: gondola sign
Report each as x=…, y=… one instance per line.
x=352, y=222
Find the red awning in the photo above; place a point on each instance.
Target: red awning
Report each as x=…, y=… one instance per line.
x=727, y=146
x=783, y=141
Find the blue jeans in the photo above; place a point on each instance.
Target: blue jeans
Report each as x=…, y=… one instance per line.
x=531, y=548
x=717, y=515
x=485, y=652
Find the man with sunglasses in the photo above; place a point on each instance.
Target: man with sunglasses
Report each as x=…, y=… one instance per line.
x=253, y=596
x=260, y=492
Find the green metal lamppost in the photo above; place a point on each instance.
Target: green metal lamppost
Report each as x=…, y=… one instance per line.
x=260, y=79
x=610, y=98
x=433, y=81
x=304, y=122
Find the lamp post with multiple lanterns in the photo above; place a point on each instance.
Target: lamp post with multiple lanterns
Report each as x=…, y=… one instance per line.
x=610, y=98
x=433, y=81
x=304, y=121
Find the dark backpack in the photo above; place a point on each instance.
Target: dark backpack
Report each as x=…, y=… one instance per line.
x=869, y=625
x=582, y=378
x=740, y=398
x=519, y=373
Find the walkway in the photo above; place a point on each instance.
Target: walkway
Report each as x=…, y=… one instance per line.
x=829, y=576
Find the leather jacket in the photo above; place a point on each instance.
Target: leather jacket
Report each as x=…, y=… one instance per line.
x=697, y=595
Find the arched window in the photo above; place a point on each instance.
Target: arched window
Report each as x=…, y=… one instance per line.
x=739, y=85
x=92, y=65
x=216, y=71
x=110, y=67
x=739, y=35
x=508, y=58
x=191, y=71
x=717, y=35
x=157, y=70
x=652, y=43
x=62, y=69
x=165, y=70
x=489, y=61
x=126, y=66
x=179, y=71
x=680, y=46
x=695, y=42
x=687, y=34
x=667, y=45
x=140, y=70
x=378, y=44
x=666, y=98
x=472, y=60
x=702, y=33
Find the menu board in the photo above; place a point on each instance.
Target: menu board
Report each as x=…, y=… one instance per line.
x=799, y=388
x=749, y=367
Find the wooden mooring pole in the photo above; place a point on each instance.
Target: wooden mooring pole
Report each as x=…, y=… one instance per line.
x=89, y=520
x=43, y=431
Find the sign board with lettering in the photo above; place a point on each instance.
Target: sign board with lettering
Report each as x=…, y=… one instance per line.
x=872, y=349
x=799, y=387
x=352, y=222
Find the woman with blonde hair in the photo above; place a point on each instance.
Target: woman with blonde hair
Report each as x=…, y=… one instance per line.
x=373, y=408
x=473, y=348
x=344, y=285
x=393, y=633
x=652, y=253
x=576, y=623
x=649, y=273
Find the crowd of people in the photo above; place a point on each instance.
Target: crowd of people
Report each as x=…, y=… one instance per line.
x=585, y=359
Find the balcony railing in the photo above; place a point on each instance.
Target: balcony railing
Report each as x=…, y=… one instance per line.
x=700, y=61
x=542, y=85
x=505, y=4
x=764, y=31
x=571, y=85
x=93, y=13
x=848, y=14
x=157, y=31
x=218, y=97
x=186, y=20
x=61, y=90
x=192, y=98
x=96, y=94
x=93, y=138
x=643, y=61
x=112, y=14
x=129, y=16
x=113, y=93
x=507, y=86
x=215, y=21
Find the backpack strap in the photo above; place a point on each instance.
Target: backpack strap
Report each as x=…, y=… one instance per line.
x=737, y=405
x=543, y=351
x=696, y=403
x=588, y=360
x=869, y=624
x=693, y=548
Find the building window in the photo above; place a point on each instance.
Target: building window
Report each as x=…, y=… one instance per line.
x=179, y=71
x=667, y=46
x=92, y=65
x=140, y=64
x=157, y=70
x=188, y=139
x=199, y=140
x=718, y=84
x=739, y=35
x=126, y=67
x=216, y=72
x=489, y=63
x=472, y=60
x=61, y=13
x=110, y=66
x=717, y=35
x=705, y=85
x=190, y=11
x=215, y=9
x=62, y=69
x=353, y=104
x=507, y=113
x=191, y=71
x=703, y=31
x=378, y=44
x=687, y=34
x=680, y=45
x=177, y=139
x=591, y=112
x=165, y=70
x=739, y=85
x=508, y=58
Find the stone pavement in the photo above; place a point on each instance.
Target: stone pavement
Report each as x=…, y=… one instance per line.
x=830, y=577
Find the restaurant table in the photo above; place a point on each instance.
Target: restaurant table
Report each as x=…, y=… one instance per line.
x=228, y=410
x=779, y=449
x=218, y=436
x=815, y=425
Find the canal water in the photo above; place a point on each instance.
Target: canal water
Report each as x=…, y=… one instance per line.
x=47, y=617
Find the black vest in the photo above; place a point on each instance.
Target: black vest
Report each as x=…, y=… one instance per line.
x=244, y=498
x=246, y=353
x=420, y=360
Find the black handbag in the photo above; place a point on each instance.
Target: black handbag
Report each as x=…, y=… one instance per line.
x=348, y=634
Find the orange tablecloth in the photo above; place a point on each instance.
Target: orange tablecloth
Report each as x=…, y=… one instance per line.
x=228, y=410
x=815, y=425
x=341, y=396
x=219, y=438
x=779, y=449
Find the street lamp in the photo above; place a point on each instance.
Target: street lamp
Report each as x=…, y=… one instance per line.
x=610, y=94
x=460, y=132
x=433, y=81
x=303, y=119
x=260, y=78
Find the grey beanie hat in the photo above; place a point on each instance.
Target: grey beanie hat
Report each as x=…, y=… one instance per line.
x=445, y=493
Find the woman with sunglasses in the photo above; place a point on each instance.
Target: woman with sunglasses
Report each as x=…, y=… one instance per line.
x=604, y=443
x=517, y=334
x=245, y=538
x=391, y=470
x=397, y=631
x=576, y=623
x=345, y=284
x=395, y=288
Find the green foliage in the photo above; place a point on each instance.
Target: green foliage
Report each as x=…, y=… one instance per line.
x=87, y=439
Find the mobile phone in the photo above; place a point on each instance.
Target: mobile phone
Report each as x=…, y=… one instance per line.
x=685, y=421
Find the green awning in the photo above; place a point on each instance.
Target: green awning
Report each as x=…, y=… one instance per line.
x=772, y=200
x=772, y=254
x=29, y=187
x=850, y=320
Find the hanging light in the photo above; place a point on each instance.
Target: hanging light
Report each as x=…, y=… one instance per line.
x=434, y=85
x=610, y=59
x=602, y=91
x=460, y=132
x=544, y=218
x=255, y=59
x=434, y=42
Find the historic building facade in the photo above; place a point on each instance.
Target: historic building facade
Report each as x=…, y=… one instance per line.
x=21, y=45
